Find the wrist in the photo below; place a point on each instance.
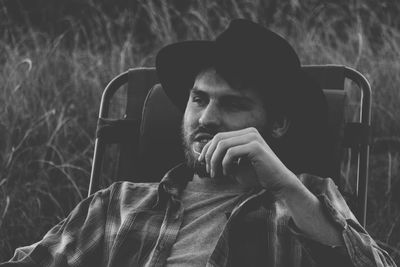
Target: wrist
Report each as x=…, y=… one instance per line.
x=289, y=187
x=295, y=194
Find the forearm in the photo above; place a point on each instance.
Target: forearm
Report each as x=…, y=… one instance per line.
x=327, y=228
x=309, y=216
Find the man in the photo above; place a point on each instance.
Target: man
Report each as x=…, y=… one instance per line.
x=235, y=202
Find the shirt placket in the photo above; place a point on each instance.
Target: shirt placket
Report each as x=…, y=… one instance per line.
x=168, y=233
x=219, y=256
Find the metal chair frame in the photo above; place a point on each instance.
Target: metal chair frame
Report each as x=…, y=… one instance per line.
x=362, y=150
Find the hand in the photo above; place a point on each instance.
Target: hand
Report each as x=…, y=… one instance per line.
x=263, y=167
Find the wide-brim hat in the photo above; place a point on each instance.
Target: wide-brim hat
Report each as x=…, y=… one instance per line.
x=252, y=55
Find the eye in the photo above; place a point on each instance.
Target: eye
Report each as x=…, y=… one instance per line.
x=235, y=105
x=196, y=99
x=199, y=100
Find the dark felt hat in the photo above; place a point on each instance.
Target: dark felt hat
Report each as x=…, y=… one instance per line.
x=250, y=53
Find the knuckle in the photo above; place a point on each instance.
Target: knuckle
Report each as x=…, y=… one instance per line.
x=217, y=137
x=254, y=144
x=253, y=136
x=225, y=162
x=256, y=137
x=222, y=144
x=230, y=153
x=253, y=130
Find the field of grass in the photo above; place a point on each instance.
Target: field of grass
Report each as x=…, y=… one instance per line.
x=50, y=87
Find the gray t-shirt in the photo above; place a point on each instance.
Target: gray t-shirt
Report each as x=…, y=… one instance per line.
x=207, y=206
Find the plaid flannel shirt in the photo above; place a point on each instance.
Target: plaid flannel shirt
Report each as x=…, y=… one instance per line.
x=131, y=224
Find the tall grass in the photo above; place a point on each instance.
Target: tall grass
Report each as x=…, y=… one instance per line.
x=51, y=86
x=48, y=108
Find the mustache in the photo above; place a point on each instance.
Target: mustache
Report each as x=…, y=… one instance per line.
x=203, y=130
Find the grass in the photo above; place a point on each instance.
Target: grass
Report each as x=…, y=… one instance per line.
x=51, y=86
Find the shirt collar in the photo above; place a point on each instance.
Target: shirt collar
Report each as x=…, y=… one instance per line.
x=173, y=183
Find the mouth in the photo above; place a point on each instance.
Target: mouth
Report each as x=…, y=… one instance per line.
x=199, y=142
x=203, y=137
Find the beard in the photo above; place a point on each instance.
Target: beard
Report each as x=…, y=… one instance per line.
x=192, y=148
x=193, y=151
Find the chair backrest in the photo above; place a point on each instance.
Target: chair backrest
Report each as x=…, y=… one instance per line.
x=149, y=133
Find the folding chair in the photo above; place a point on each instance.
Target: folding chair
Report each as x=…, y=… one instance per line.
x=149, y=133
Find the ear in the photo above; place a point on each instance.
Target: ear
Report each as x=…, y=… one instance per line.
x=280, y=127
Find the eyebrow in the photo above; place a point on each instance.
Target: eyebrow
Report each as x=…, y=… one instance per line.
x=195, y=90
x=229, y=97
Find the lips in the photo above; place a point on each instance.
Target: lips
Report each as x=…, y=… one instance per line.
x=200, y=141
x=203, y=137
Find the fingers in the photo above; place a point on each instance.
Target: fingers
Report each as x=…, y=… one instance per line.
x=229, y=163
x=214, y=152
x=223, y=135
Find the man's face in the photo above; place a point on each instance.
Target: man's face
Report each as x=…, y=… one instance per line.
x=214, y=106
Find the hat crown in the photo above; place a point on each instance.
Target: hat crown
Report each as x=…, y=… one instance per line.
x=246, y=55
x=250, y=55
x=251, y=43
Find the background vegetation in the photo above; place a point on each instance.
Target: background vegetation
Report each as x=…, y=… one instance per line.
x=57, y=56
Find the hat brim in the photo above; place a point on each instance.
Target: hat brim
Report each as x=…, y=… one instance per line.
x=177, y=66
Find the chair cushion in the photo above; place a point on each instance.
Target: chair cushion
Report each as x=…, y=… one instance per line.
x=160, y=146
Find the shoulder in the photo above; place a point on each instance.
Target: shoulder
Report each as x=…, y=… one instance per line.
x=126, y=187
x=130, y=194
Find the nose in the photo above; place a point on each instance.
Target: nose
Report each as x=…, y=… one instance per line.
x=210, y=116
